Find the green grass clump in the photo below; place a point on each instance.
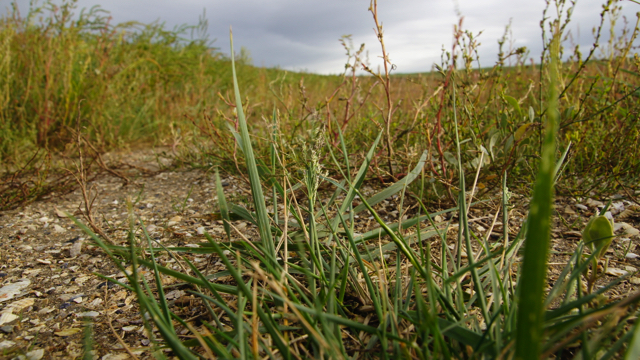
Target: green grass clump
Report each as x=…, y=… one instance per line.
x=309, y=284
x=314, y=288
x=120, y=84
x=139, y=85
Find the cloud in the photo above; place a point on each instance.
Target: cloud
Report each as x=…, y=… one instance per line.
x=303, y=35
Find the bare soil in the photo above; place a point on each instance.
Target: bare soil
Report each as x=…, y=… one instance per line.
x=51, y=262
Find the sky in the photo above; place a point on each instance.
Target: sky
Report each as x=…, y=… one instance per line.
x=303, y=35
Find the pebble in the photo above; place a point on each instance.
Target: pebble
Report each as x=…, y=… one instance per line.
x=65, y=297
x=76, y=249
x=7, y=329
x=95, y=302
x=11, y=290
x=46, y=310
x=594, y=203
x=6, y=344
x=120, y=356
x=616, y=272
x=59, y=229
x=129, y=328
x=88, y=314
x=617, y=207
x=174, y=220
x=175, y=294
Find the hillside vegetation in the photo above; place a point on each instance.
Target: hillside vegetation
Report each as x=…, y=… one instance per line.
x=74, y=86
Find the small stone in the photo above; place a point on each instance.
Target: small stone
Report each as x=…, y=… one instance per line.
x=616, y=272
x=7, y=329
x=45, y=310
x=631, y=256
x=65, y=297
x=594, y=203
x=60, y=213
x=200, y=230
x=174, y=220
x=88, y=314
x=175, y=294
x=67, y=332
x=59, y=229
x=120, y=356
x=6, y=344
x=582, y=207
x=35, y=354
x=78, y=300
x=7, y=317
x=617, y=207
x=129, y=328
x=11, y=290
x=43, y=261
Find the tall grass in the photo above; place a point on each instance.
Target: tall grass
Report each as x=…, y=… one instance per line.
x=133, y=84
x=121, y=84
x=310, y=285
x=395, y=291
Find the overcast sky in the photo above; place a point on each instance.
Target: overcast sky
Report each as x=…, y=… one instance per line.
x=304, y=34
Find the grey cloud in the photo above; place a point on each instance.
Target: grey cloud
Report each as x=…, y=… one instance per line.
x=303, y=34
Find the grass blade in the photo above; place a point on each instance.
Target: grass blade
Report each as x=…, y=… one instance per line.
x=264, y=227
x=536, y=248
x=222, y=203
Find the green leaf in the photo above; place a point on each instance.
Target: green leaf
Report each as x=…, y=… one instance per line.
x=531, y=286
x=386, y=193
x=521, y=131
x=222, y=204
x=514, y=104
x=633, y=352
x=598, y=234
x=264, y=227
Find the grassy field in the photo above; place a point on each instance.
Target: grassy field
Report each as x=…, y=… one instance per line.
x=538, y=128
x=137, y=85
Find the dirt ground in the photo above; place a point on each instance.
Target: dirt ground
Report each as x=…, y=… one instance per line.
x=47, y=285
